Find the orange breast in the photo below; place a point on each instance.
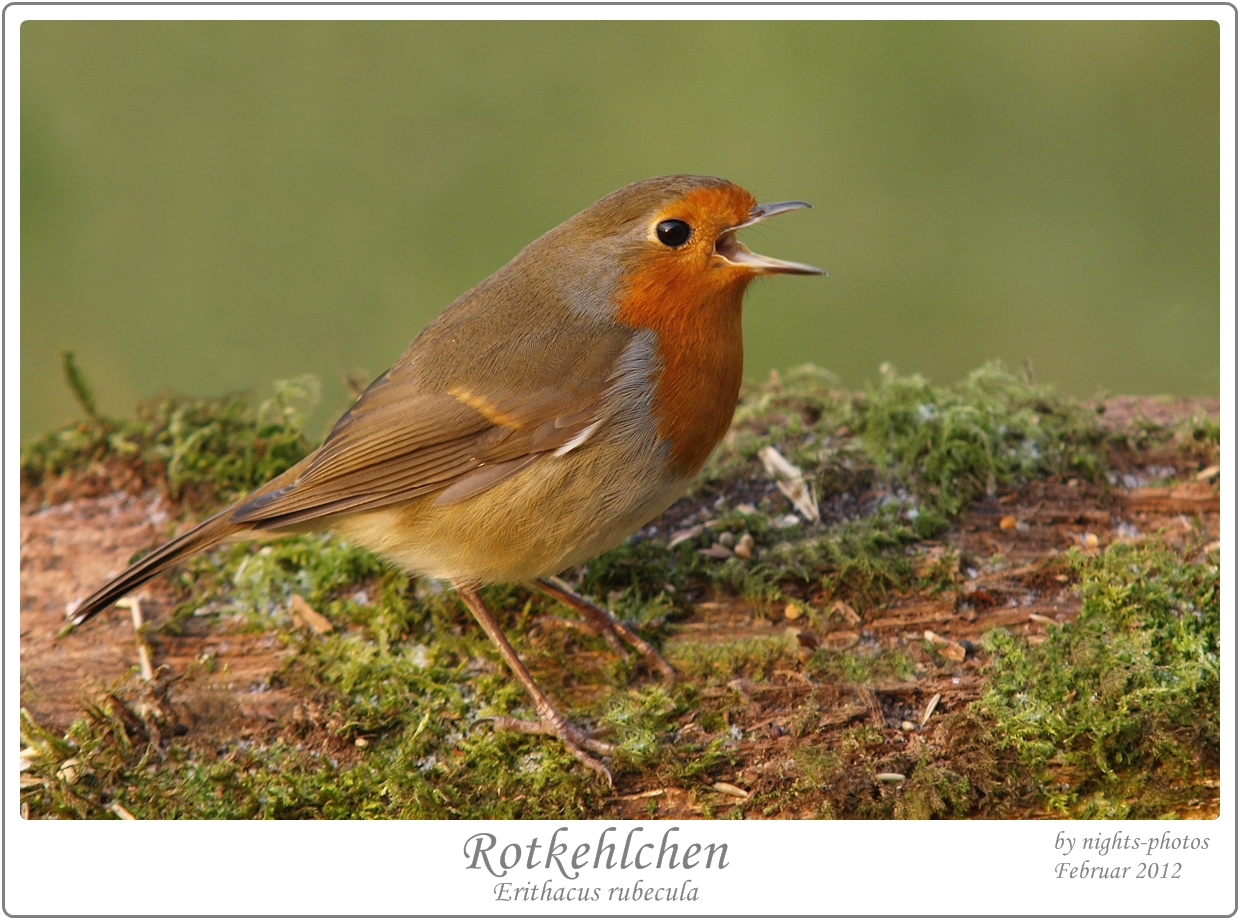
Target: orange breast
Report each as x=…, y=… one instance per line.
x=697, y=319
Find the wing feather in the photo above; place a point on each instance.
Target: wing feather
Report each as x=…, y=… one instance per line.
x=403, y=439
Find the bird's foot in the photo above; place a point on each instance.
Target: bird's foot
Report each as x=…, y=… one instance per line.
x=557, y=726
x=550, y=721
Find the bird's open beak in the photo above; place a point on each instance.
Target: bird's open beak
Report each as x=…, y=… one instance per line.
x=735, y=252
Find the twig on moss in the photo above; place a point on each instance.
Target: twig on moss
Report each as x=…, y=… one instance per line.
x=144, y=650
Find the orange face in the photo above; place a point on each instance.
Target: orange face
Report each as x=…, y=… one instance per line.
x=685, y=240
x=692, y=260
x=687, y=284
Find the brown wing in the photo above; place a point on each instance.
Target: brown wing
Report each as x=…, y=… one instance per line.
x=400, y=441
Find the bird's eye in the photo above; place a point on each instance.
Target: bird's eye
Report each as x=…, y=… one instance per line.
x=673, y=232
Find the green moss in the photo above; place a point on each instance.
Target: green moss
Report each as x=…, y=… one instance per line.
x=1117, y=713
x=861, y=666
x=944, y=445
x=1195, y=437
x=642, y=570
x=934, y=791
x=865, y=560
x=205, y=451
x=794, y=414
x=406, y=671
x=720, y=662
x=1198, y=436
x=639, y=720
x=950, y=445
x=426, y=755
x=932, y=449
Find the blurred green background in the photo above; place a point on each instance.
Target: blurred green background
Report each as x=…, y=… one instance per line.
x=208, y=207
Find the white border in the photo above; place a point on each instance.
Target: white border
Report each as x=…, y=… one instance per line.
x=776, y=868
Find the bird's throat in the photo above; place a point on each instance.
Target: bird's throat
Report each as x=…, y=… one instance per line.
x=702, y=358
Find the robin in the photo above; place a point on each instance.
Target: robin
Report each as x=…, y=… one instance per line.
x=544, y=416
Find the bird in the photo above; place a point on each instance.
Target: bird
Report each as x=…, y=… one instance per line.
x=548, y=413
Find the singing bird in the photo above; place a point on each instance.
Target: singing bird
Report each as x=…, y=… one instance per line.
x=544, y=416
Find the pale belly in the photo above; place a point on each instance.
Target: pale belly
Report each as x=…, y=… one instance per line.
x=555, y=513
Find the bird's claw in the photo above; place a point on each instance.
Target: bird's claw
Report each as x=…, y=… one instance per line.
x=557, y=726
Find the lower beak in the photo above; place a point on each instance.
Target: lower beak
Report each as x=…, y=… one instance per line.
x=736, y=253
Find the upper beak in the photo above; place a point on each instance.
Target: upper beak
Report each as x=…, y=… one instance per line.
x=735, y=251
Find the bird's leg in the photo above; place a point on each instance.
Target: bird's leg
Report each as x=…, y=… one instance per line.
x=611, y=628
x=550, y=722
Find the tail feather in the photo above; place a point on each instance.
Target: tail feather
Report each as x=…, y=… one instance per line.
x=206, y=534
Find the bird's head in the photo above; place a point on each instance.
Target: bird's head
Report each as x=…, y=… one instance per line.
x=676, y=237
x=672, y=242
